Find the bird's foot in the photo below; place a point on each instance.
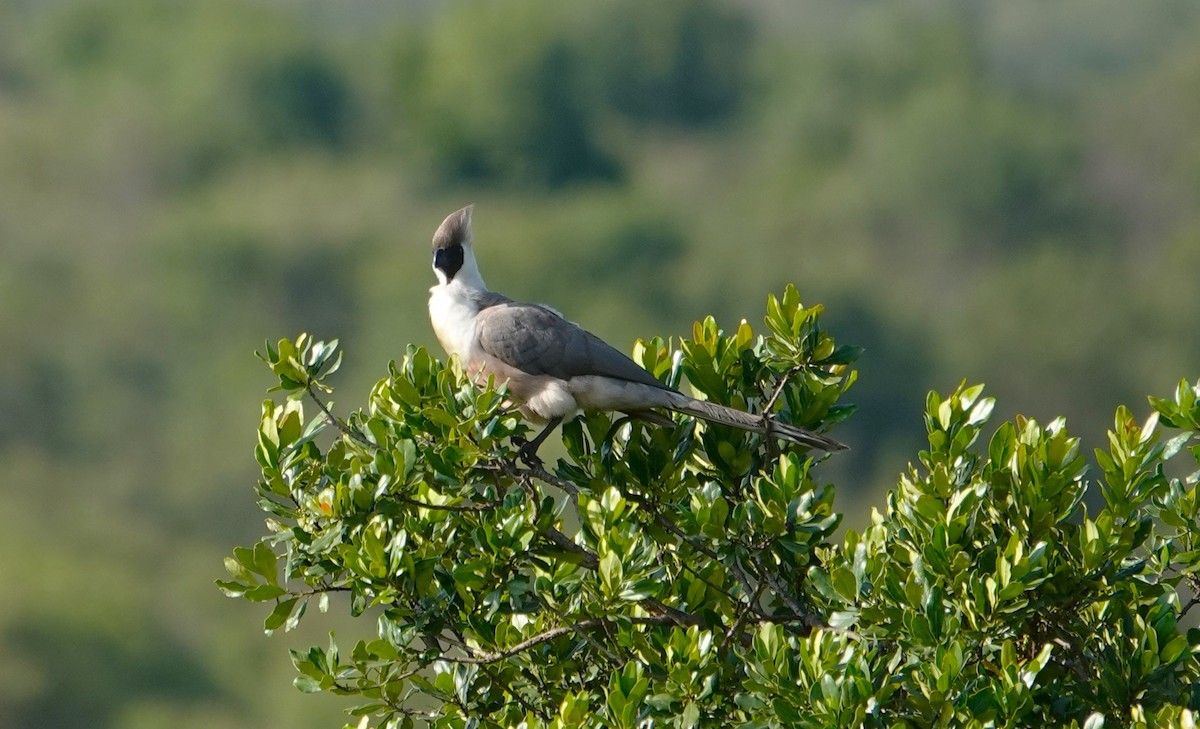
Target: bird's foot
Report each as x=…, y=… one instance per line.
x=530, y=458
x=527, y=452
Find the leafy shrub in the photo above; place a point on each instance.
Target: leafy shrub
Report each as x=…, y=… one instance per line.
x=689, y=575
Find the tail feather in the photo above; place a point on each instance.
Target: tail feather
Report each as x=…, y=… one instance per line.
x=755, y=423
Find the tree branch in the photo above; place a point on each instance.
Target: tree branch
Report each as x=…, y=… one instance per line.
x=589, y=624
x=780, y=590
x=590, y=561
x=320, y=590
x=674, y=615
x=562, y=541
x=512, y=470
x=469, y=506
x=600, y=647
x=751, y=607
x=783, y=381
x=509, y=690
x=766, y=411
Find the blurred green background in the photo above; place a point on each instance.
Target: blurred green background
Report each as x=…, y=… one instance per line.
x=1005, y=191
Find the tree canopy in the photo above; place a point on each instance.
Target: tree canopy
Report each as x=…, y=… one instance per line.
x=693, y=575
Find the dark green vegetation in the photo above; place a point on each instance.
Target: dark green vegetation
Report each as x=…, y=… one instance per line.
x=999, y=191
x=689, y=577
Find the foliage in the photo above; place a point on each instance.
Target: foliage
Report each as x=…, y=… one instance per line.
x=703, y=585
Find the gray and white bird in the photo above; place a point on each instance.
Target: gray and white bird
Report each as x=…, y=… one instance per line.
x=554, y=368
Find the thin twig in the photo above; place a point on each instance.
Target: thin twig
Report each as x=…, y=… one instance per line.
x=589, y=560
x=469, y=506
x=799, y=615
x=670, y=526
x=768, y=421
x=589, y=624
x=510, y=469
x=520, y=699
x=717, y=588
x=783, y=381
x=321, y=590
x=337, y=423
x=600, y=647
x=1194, y=583
x=810, y=621
x=458, y=641
x=751, y=607
x=1190, y=604
x=651, y=506
x=780, y=589
x=392, y=705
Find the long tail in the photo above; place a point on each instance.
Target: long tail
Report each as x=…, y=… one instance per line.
x=746, y=421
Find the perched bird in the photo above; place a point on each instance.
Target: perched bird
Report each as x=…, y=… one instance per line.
x=553, y=367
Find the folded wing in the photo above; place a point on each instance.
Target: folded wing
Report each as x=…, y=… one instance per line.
x=538, y=341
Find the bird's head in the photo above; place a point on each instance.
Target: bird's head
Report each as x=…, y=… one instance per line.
x=453, y=258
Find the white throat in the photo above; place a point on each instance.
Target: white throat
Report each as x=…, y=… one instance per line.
x=468, y=274
x=453, y=306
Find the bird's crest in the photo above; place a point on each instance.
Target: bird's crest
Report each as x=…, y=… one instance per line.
x=454, y=230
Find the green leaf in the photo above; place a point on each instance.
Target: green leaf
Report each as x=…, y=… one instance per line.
x=265, y=563
x=1173, y=650
x=280, y=614
x=1174, y=445
x=845, y=584
x=690, y=716
x=611, y=572
x=1095, y=720
x=307, y=684
x=982, y=411
x=232, y=589
x=262, y=593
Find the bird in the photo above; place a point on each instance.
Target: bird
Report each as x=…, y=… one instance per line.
x=553, y=367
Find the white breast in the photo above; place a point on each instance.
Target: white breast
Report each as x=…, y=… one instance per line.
x=452, y=313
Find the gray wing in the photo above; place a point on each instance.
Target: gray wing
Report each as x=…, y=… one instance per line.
x=536, y=340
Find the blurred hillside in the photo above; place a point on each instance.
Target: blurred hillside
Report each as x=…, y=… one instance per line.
x=1003, y=191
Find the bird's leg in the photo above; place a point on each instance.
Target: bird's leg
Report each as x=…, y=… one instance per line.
x=529, y=448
